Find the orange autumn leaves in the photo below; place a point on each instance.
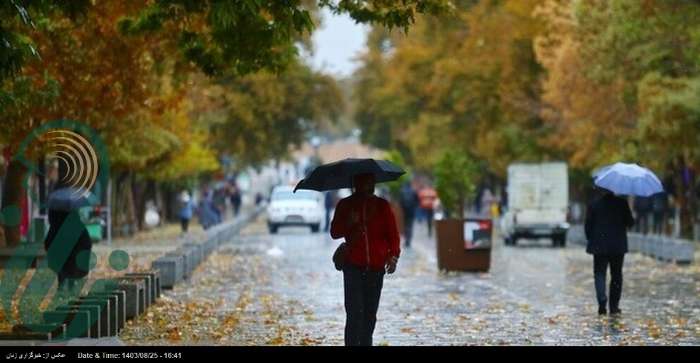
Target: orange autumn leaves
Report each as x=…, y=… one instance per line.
x=122, y=86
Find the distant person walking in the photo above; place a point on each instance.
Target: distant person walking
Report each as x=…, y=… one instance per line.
x=330, y=199
x=208, y=215
x=607, y=220
x=660, y=212
x=409, y=204
x=186, y=211
x=236, y=199
x=372, y=248
x=219, y=202
x=427, y=197
x=643, y=207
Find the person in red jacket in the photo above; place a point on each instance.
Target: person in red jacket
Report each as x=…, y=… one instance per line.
x=373, y=248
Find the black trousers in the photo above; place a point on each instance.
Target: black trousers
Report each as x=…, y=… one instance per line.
x=659, y=222
x=327, y=227
x=642, y=222
x=408, y=220
x=600, y=269
x=362, y=292
x=184, y=223
x=429, y=213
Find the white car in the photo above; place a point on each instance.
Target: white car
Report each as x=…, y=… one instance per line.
x=303, y=208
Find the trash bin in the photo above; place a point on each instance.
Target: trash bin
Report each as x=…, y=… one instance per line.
x=464, y=244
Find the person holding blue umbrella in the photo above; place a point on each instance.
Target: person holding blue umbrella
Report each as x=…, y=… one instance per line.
x=608, y=218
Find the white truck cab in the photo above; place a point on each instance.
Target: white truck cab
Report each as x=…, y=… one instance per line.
x=538, y=200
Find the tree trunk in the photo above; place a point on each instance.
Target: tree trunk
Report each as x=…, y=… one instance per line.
x=140, y=195
x=160, y=201
x=131, y=205
x=124, y=205
x=118, y=215
x=13, y=192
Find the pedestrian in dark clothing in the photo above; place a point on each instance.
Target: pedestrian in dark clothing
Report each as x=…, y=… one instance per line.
x=68, y=244
x=208, y=214
x=329, y=204
x=236, y=200
x=660, y=210
x=186, y=211
x=372, y=249
x=219, y=203
x=607, y=221
x=409, y=204
x=643, y=207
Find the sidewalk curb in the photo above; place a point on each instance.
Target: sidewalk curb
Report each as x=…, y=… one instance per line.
x=192, y=253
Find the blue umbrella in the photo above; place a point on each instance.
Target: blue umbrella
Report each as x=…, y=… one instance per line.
x=628, y=179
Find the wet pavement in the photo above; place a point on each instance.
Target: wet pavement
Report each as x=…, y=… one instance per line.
x=281, y=289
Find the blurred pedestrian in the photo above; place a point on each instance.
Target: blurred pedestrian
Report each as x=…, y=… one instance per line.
x=409, y=203
x=607, y=219
x=372, y=248
x=219, y=201
x=68, y=245
x=427, y=197
x=186, y=210
x=487, y=199
x=660, y=212
x=236, y=199
x=330, y=199
x=643, y=207
x=208, y=215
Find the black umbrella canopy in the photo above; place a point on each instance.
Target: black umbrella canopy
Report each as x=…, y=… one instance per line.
x=339, y=174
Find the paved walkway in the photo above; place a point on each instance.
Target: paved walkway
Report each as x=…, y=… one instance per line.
x=281, y=289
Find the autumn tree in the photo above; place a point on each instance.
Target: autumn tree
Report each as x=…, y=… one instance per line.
x=622, y=84
x=467, y=81
x=89, y=72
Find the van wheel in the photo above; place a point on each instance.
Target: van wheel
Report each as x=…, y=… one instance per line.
x=315, y=228
x=272, y=228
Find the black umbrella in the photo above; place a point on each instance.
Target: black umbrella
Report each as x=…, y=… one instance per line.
x=339, y=174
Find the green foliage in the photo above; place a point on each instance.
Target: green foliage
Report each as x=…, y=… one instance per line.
x=19, y=17
x=456, y=177
x=259, y=116
x=389, y=14
x=395, y=186
x=244, y=36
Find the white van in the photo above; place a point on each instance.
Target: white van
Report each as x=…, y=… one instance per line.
x=538, y=200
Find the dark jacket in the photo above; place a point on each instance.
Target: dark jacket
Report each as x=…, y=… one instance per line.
x=68, y=244
x=607, y=221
